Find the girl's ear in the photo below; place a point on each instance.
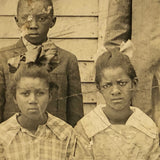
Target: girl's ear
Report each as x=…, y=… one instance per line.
x=135, y=81
x=50, y=97
x=14, y=99
x=98, y=87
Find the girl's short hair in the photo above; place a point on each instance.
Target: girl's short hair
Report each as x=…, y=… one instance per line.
x=33, y=71
x=112, y=59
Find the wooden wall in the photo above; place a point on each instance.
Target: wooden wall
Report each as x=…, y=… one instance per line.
x=78, y=29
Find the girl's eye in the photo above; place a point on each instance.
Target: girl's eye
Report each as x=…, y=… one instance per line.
x=25, y=94
x=107, y=85
x=40, y=93
x=122, y=83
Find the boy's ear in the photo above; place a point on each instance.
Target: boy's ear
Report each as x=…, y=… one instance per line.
x=16, y=19
x=53, y=21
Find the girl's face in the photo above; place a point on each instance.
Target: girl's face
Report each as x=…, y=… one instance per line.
x=32, y=97
x=116, y=88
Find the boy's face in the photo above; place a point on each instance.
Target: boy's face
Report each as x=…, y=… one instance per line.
x=116, y=87
x=34, y=20
x=32, y=97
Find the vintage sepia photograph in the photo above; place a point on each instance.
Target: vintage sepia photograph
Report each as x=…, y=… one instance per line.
x=79, y=80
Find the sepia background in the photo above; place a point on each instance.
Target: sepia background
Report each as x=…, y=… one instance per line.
x=79, y=28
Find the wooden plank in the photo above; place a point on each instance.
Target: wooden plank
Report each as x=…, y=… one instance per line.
x=61, y=7
x=102, y=27
x=89, y=92
x=88, y=107
x=87, y=71
x=84, y=49
x=66, y=27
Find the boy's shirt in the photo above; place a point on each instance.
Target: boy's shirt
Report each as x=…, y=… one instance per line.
x=66, y=102
x=99, y=139
x=54, y=140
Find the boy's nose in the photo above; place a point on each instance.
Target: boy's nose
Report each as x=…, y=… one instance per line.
x=33, y=23
x=115, y=90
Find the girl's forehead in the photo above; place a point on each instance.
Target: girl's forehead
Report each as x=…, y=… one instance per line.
x=114, y=73
x=32, y=82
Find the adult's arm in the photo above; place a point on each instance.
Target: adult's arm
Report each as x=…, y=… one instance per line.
x=119, y=19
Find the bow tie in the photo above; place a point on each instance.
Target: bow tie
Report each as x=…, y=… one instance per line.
x=45, y=54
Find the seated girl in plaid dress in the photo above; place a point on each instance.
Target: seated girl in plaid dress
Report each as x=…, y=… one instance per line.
x=115, y=130
x=34, y=134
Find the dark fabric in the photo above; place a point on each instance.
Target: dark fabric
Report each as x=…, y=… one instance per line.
x=145, y=34
x=118, y=27
x=65, y=75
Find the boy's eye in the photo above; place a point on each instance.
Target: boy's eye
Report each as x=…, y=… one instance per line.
x=24, y=18
x=107, y=85
x=42, y=18
x=122, y=83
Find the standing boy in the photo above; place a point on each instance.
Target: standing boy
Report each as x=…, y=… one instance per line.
x=35, y=18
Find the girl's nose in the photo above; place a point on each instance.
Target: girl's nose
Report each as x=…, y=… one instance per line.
x=32, y=98
x=115, y=90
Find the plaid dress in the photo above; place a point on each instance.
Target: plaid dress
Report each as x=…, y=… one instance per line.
x=54, y=140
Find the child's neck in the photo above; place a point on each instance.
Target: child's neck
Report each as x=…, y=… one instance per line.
x=31, y=124
x=117, y=117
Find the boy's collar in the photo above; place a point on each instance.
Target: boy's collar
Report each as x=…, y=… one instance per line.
x=30, y=46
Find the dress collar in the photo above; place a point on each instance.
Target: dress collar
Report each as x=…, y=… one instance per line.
x=96, y=121
x=11, y=127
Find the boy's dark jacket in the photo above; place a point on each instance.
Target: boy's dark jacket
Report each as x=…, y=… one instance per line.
x=65, y=75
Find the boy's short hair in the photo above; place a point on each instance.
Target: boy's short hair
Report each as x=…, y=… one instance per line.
x=112, y=59
x=50, y=3
x=33, y=71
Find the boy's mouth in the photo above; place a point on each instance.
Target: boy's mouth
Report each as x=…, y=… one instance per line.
x=33, y=34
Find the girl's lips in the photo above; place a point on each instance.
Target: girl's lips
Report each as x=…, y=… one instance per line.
x=117, y=100
x=32, y=109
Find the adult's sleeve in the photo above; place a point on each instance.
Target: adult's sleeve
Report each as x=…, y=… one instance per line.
x=75, y=99
x=118, y=27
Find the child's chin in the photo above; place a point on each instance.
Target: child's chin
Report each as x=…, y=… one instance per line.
x=34, y=39
x=118, y=107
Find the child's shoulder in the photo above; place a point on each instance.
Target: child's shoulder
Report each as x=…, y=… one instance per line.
x=64, y=53
x=8, y=124
x=59, y=127
x=93, y=122
x=9, y=51
x=8, y=129
x=143, y=122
